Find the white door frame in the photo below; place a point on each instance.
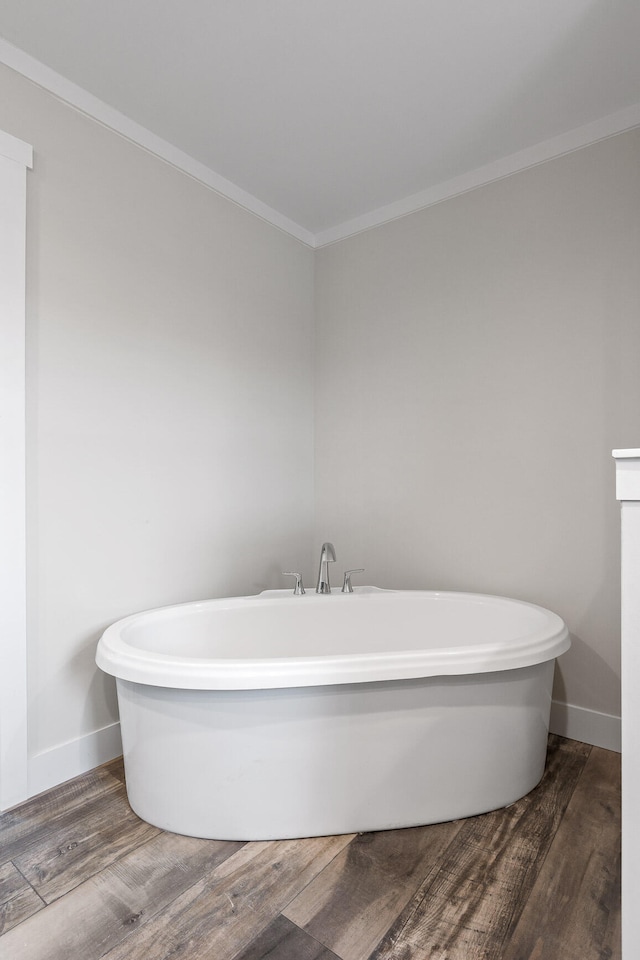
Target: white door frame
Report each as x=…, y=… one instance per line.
x=15, y=158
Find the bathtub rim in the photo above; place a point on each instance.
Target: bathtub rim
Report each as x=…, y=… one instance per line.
x=116, y=657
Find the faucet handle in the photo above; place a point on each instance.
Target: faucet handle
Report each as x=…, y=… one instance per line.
x=346, y=584
x=298, y=590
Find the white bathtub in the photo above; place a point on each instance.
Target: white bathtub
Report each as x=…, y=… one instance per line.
x=277, y=716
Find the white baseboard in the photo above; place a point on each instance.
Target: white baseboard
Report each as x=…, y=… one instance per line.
x=589, y=726
x=68, y=760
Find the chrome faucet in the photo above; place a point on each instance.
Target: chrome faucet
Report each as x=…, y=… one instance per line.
x=327, y=556
x=346, y=583
x=298, y=590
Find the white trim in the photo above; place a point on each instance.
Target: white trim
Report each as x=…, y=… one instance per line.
x=589, y=726
x=74, y=95
x=626, y=454
x=13, y=602
x=627, y=475
x=16, y=150
x=547, y=150
x=628, y=492
x=71, y=759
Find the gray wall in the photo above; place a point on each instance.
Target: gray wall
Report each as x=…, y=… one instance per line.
x=476, y=363
x=169, y=391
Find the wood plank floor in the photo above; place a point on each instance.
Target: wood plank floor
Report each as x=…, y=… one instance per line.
x=82, y=878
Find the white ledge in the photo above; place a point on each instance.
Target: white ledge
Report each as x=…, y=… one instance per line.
x=16, y=150
x=627, y=474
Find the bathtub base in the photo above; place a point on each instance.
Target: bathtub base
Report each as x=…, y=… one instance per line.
x=323, y=760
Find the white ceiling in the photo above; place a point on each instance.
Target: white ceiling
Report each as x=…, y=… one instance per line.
x=327, y=110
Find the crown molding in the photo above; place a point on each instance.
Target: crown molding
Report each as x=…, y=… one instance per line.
x=96, y=109
x=568, y=142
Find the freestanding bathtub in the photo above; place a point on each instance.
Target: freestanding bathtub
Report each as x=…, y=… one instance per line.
x=277, y=716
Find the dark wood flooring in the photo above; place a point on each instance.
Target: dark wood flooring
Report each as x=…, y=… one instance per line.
x=81, y=878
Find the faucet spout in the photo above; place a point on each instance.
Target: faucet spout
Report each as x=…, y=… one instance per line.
x=327, y=556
